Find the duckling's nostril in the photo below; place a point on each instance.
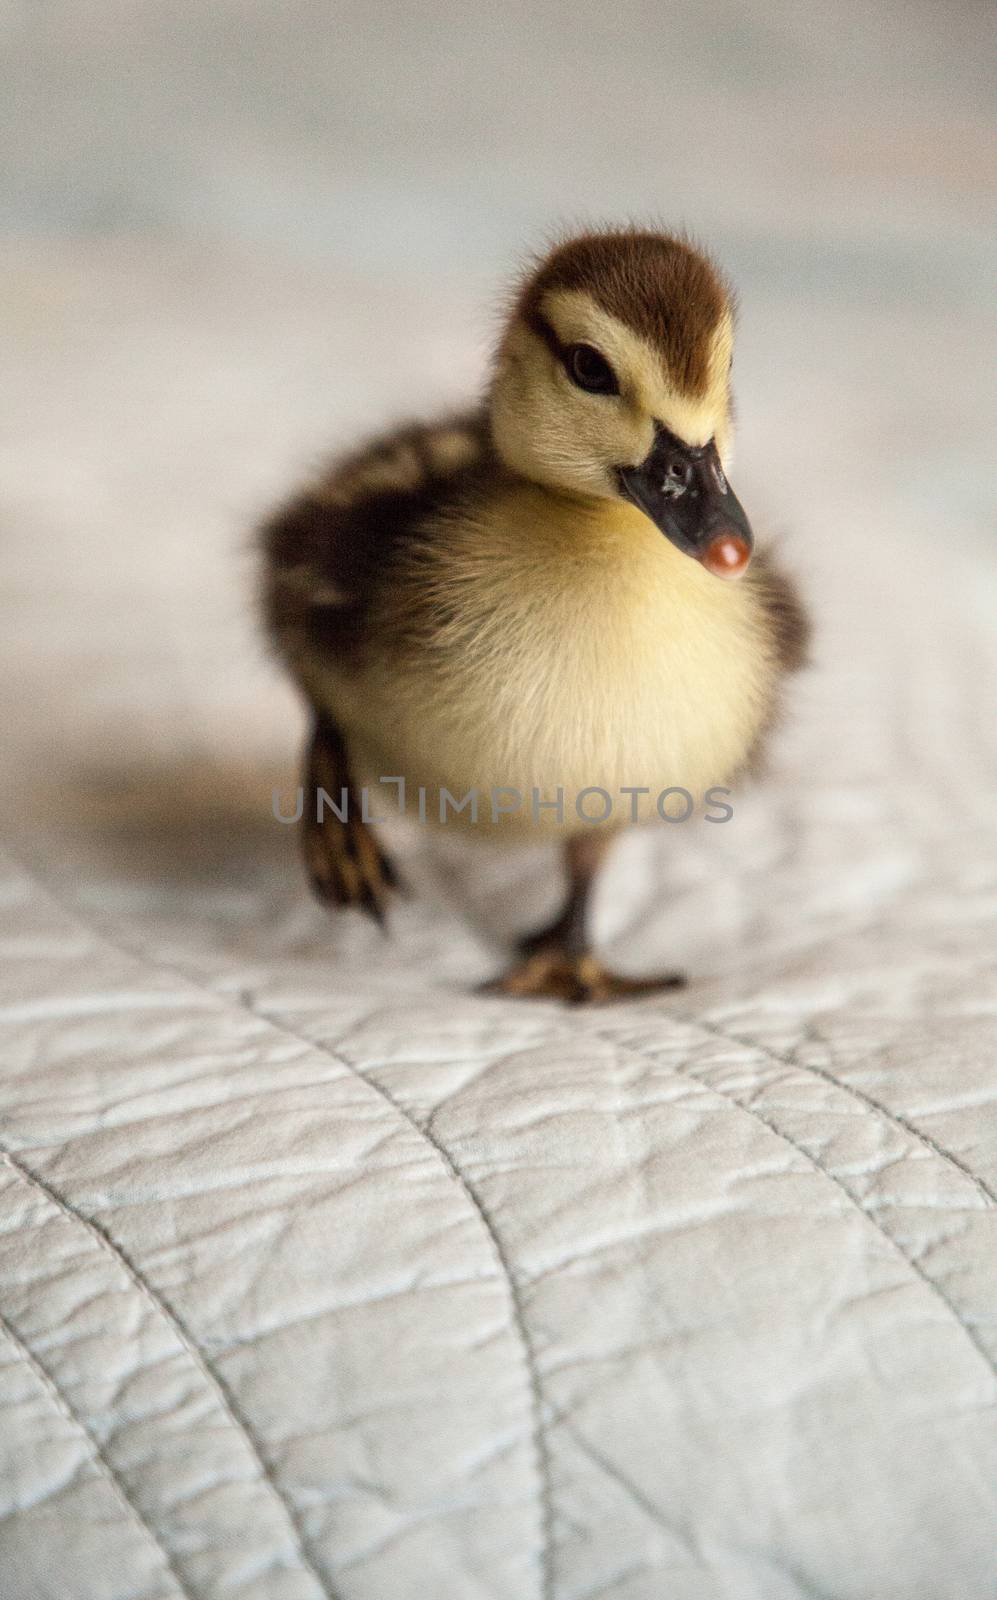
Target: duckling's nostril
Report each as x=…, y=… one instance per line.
x=678, y=475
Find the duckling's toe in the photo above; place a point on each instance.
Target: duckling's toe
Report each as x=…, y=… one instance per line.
x=347, y=867
x=576, y=978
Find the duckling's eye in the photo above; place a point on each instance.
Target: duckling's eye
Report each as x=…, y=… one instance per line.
x=590, y=370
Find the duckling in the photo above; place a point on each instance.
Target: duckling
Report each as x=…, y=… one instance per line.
x=550, y=597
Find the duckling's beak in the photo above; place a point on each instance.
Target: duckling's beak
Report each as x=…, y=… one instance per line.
x=684, y=491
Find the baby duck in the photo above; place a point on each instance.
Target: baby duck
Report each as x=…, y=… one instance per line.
x=535, y=599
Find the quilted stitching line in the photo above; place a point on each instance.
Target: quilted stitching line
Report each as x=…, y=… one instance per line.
x=790, y=1059
x=684, y=1537
x=97, y=1454
x=517, y=1308
x=243, y=1003
x=930, y=1283
x=212, y=1377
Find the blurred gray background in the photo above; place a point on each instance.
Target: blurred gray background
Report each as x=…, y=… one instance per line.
x=838, y=149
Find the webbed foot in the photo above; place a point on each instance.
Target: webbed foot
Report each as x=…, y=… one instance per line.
x=550, y=971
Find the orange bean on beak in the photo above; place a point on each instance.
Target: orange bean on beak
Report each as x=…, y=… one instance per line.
x=726, y=556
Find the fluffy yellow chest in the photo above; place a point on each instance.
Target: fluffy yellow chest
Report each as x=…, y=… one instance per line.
x=565, y=646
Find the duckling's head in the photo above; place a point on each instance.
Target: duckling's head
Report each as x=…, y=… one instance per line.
x=612, y=380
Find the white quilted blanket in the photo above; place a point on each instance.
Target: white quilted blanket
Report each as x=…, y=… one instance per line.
x=322, y=1278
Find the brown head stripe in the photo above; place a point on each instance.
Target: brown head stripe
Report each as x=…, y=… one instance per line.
x=660, y=287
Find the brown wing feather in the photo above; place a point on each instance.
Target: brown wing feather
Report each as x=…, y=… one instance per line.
x=787, y=616
x=789, y=633
x=326, y=552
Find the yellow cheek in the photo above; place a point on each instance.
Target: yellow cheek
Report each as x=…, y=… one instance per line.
x=632, y=435
x=551, y=431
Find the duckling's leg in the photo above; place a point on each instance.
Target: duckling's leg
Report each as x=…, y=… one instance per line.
x=557, y=963
x=345, y=862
